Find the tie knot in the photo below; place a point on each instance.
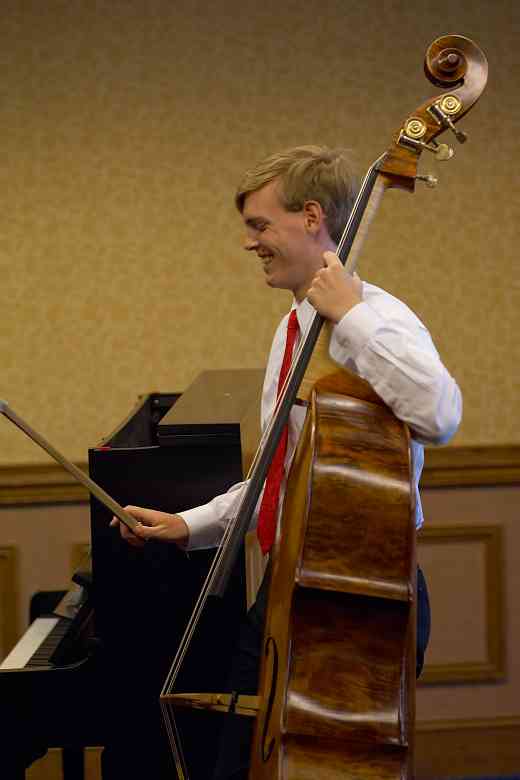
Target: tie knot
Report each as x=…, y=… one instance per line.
x=292, y=325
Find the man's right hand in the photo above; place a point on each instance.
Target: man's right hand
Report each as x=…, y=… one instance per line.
x=153, y=524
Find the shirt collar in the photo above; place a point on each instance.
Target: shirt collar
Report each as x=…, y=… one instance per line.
x=305, y=311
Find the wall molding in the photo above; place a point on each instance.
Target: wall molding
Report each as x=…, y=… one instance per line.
x=492, y=669
x=26, y=484
x=503, y=722
x=493, y=464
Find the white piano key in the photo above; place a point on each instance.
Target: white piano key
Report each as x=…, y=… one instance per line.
x=37, y=633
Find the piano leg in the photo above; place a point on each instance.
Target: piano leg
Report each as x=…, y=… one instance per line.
x=73, y=762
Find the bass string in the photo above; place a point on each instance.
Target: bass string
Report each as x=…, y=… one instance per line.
x=214, y=570
x=174, y=740
x=201, y=602
x=347, y=244
x=344, y=245
x=345, y=240
x=342, y=251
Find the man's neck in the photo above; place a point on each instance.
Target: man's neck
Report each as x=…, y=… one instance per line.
x=327, y=246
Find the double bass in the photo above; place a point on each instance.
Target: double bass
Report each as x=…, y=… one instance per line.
x=337, y=679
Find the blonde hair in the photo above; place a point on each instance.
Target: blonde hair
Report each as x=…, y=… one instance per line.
x=307, y=173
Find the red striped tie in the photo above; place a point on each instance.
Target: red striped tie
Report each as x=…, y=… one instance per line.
x=269, y=506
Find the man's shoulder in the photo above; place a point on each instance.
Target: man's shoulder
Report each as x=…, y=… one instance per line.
x=388, y=305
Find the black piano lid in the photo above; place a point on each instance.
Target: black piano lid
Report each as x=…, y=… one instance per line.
x=212, y=408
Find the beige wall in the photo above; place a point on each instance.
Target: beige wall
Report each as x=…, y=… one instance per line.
x=125, y=126
x=43, y=545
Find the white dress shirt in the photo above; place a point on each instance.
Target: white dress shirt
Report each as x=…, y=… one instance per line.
x=384, y=342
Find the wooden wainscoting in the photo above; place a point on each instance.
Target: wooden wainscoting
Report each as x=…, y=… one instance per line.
x=468, y=748
x=480, y=547
x=468, y=702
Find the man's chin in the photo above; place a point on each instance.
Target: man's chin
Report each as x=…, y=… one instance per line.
x=276, y=283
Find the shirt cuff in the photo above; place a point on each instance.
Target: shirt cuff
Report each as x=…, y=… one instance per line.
x=355, y=329
x=203, y=530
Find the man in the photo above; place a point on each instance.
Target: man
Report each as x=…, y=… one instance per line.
x=294, y=206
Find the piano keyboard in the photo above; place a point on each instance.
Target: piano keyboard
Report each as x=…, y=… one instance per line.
x=38, y=643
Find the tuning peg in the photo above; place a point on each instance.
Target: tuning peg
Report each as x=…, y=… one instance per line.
x=441, y=111
x=460, y=135
x=441, y=151
x=429, y=180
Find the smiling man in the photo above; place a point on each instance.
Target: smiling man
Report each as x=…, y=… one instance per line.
x=290, y=244
x=294, y=206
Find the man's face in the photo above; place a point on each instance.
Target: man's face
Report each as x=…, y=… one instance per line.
x=284, y=241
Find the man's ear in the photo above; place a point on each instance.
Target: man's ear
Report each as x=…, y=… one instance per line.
x=313, y=217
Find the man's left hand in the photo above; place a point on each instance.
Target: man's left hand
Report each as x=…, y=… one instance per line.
x=333, y=291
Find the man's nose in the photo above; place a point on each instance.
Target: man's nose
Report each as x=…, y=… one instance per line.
x=250, y=244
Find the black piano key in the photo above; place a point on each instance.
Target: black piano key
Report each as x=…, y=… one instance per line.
x=41, y=657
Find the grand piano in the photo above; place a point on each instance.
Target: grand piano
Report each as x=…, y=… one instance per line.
x=93, y=676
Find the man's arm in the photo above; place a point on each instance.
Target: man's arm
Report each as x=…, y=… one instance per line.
x=196, y=528
x=381, y=339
